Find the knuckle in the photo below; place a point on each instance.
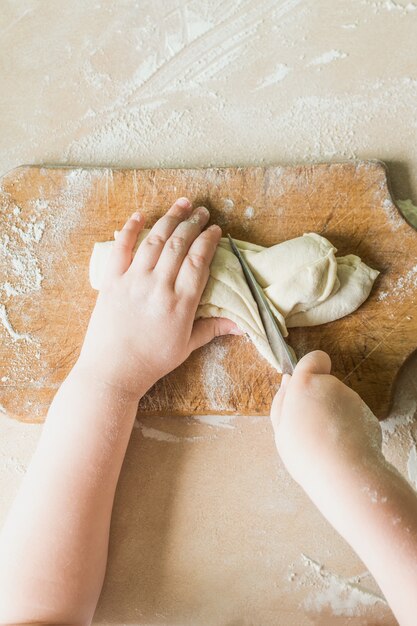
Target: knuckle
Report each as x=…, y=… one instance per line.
x=123, y=243
x=197, y=261
x=153, y=239
x=123, y=235
x=176, y=243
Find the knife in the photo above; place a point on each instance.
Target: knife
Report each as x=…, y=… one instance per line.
x=278, y=345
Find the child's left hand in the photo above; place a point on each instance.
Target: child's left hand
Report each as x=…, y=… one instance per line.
x=143, y=324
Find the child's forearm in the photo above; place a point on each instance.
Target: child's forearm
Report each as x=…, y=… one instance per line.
x=377, y=515
x=53, y=548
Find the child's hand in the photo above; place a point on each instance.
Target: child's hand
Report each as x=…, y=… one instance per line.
x=143, y=324
x=330, y=443
x=324, y=432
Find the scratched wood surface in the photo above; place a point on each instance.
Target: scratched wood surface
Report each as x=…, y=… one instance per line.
x=43, y=326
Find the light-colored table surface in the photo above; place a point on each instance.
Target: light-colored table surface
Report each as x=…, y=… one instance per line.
x=208, y=527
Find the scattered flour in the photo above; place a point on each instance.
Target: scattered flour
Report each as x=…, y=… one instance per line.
x=228, y=205
x=13, y=465
x=33, y=232
x=406, y=282
x=33, y=237
x=280, y=72
x=215, y=378
x=383, y=295
x=328, y=57
x=390, y=425
x=402, y=285
x=412, y=466
x=160, y=435
x=15, y=336
x=217, y=421
x=19, y=241
x=249, y=212
x=393, y=214
x=392, y=5
x=344, y=596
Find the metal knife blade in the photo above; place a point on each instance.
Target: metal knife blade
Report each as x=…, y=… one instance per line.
x=276, y=341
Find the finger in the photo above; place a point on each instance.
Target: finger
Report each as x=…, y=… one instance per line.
x=122, y=249
x=195, y=269
x=278, y=400
x=317, y=362
x=204, y=330
x=151, y=247
x=178, y=245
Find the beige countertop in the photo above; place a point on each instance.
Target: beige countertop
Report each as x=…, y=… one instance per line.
x=208, y=528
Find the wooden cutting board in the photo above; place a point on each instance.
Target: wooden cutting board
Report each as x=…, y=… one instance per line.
x=51, y=216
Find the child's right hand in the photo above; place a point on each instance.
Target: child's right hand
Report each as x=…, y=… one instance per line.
x=326, y=435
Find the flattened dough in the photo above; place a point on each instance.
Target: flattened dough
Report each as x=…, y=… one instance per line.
x=305, y=283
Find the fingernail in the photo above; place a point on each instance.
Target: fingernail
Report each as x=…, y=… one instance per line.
x=202, y=210
x=215, y=228
x=284, y=381
x=136, y=216
x=198, y=214
x=183, y=202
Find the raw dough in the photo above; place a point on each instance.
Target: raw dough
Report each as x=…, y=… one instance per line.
x=305, y=283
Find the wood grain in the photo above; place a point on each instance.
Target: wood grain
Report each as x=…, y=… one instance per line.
x=349, y=203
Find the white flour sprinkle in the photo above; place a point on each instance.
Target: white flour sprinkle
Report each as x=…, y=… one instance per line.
x=412, y=466
x=249, y=212
x=328, y=57
x=33, y=239
x=32, y=234
x=280, y=72
x=215, y=378
x=160, y=435
x=393, y=214
x=19, y=244
x=4, y=319
x=228, y=204
x=13, y=465
x=402, y=285
x=18, y=247
x=382, y=296
x=344, y=596
x=406, y=282
x=391, y=5
x=390, y=425
x=217, y=421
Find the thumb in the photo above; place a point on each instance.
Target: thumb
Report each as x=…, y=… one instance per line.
x=204, y=330
x=317, y=362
